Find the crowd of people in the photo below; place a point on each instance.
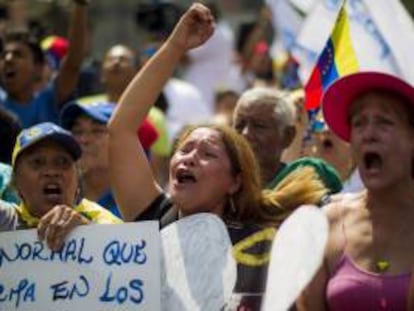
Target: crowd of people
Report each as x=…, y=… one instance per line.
x=226, y=137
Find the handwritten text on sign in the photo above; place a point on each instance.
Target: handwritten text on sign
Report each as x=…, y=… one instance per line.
x=100, y=267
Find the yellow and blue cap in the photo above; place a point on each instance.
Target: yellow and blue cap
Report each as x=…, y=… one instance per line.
x=47, y=130
x=99, y=111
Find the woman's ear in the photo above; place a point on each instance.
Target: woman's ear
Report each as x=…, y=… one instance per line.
x=236, y=184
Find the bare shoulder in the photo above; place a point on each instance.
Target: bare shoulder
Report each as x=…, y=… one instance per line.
x=342, y=204
x=339, y=209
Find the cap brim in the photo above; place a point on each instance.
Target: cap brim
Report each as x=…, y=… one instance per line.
x=340, y=95
x=99, y=112
x=70, y=113
x=66, y=141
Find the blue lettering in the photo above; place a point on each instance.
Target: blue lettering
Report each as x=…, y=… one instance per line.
x=140, y=256
x=25, y=250
x=4, y=256
x=126, y=253
x=137, y=286
x=81, y=258
x=70, y=248
x=59, y=290
x=121, y=295
x=64, y=290
x=23, y=292
x=38, y=250
x=73, y=250
x=105, y=297
x=54, y=253
x=30, y=293
x=118, y=253
x=78, y=289
x=2, y=289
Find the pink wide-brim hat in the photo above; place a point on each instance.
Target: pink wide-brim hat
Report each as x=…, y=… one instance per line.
x=338, y=98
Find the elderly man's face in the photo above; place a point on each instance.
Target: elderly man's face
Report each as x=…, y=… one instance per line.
x=259, y=125
x=45, y=176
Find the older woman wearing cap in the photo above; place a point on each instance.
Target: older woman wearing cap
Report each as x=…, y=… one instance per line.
x=45, y=176
x=369, y=259
x=87, y=122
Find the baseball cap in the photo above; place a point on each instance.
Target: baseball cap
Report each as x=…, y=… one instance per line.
x=99, y=111
x=338, y=98
x=38, y=133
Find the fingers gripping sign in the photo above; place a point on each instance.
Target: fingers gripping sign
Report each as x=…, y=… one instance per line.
x=57, y=224
x=194, y=28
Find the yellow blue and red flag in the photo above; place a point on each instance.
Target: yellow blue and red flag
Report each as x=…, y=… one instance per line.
x=337, y=59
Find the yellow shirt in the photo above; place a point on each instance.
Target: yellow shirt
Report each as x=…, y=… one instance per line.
x=91, y=210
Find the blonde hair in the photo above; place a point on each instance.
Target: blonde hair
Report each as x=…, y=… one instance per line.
x=301, y=186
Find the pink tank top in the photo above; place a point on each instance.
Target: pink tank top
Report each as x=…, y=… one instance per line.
x=352, y=288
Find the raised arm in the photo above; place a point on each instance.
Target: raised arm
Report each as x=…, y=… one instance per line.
x=132, y=179
x=68, y=75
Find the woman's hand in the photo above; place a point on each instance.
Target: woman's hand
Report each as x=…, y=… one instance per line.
x=194, y=28
x=57, y=224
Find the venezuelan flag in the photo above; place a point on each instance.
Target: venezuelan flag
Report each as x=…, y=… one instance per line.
x=338, y=59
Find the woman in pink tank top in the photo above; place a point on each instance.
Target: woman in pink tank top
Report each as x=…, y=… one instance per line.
x=369, y=258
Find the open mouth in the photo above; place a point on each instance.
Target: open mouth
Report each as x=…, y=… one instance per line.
x=185, y=177
x=327, y=143
x=9, y=73
x=372, y=161
x=52, y=190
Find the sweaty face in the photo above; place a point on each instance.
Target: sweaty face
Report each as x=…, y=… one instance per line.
x=200, y=173
x=17, y=67
x=46, y=176
x=119, y=66
x=382, y=140
x=258, y=124
x=93, y=139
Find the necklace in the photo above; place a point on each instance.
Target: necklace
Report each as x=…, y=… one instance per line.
x=382, y=265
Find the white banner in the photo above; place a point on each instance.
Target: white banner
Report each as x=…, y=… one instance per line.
x=100, y=267
x=288, y=17
x=382, y=35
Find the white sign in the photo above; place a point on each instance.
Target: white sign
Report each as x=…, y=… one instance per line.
x=100, y=267
x=199, y=271
x=297, y=254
